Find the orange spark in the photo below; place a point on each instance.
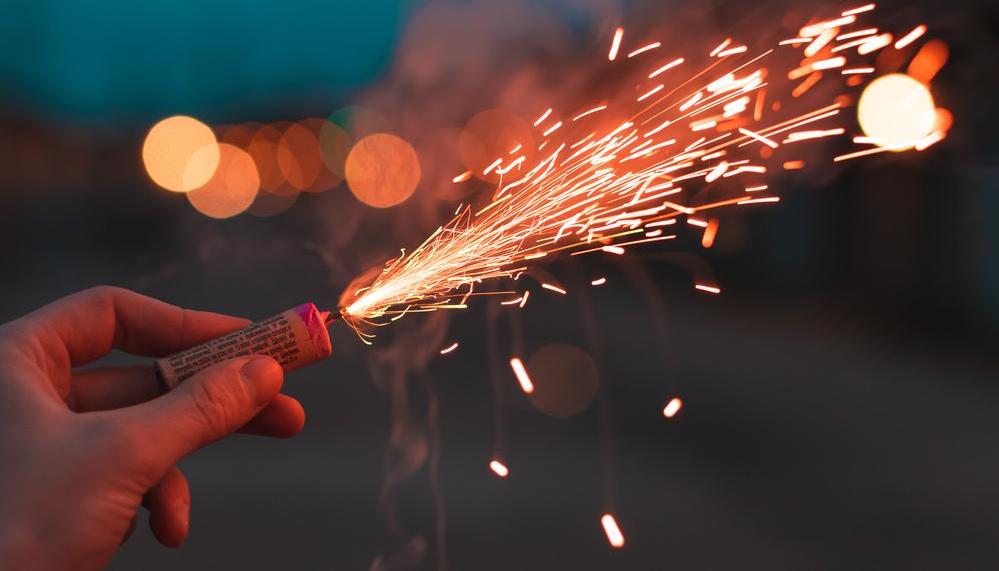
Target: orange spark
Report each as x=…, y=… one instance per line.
x=598, y=282
x=590, y=112
x=521, y=373
x=553, y=288
x=644, y=49
x=615, y=43
x=794, y=165
x=910, y=37
x=708, y=238
x=449, y=348
x=651, y=92
x=708, y=288
x=672, y=407
x=499, y=468
x=613, y=531
x=666, y=67
x=860, y=10
x=542, y=118
x=720, y=47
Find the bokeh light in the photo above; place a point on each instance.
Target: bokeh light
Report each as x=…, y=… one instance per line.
x=326, y=178
x=382, y=170
x=565, y=379
x=298, y=156
x=171, y=145
x=264, y=150
x=490, y=134
x=896, y=111
x=359, y=122
x=233, y=187
x=335, y=144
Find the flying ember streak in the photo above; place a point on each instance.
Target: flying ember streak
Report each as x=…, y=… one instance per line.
x=614, y=535
x=499, y=468
x=647, y=154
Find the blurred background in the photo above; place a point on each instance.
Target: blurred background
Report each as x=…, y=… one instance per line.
x=838, y=399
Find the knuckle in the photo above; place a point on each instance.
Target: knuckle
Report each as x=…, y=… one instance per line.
x=106, y=291
x=214, y=404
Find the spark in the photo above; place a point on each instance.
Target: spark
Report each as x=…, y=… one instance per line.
x=672, y=407
x=651, y=92
x=794, y=165
x=553, y=128
x=666, y=67
x=644, y=49
x=816, y=134
x=720, y=47
x=462, y=177
x=733, y=51
x=758, y=137
x=522, y=377
x=615, y=43
x=553, y=288
x=708, y=238
x=708, y=288
x=860, y=10
x=912, y=36
x=499, y=468
x=830, y=63
x=612, y=530
x=855, y=70
x=492, y=166
x=596, y=109
x=542, y=118
x=874, y=44
x=449, y=348
x=759, y=200
x=857, y=34
x=598, y=282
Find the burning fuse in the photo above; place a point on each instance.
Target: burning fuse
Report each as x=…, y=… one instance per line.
x=294, y=338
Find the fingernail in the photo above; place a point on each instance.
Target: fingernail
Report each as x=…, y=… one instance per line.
x=262, y=377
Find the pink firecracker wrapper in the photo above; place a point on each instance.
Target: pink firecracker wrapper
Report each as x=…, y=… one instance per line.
x=294, y=338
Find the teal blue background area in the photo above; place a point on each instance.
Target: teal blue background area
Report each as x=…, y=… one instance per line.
x=132, y=61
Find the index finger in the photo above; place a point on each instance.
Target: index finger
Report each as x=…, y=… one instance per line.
x=85, y=326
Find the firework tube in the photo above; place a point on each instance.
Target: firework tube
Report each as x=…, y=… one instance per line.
x=294, y=338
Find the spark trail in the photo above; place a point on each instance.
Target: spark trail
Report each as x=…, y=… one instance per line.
x=616, y=174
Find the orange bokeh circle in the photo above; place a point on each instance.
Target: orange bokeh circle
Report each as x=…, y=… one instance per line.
x=565, y=379
x=232, y=188
x=382, y=170
x=169, y=148
x=299, y=157
x=263, y=148
x=490, y=135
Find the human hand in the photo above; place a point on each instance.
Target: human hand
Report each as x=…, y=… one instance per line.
x=81, y=449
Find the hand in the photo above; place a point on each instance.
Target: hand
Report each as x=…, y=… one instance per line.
x=81, y=449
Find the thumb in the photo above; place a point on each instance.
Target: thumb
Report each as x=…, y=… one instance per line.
x=210, y=405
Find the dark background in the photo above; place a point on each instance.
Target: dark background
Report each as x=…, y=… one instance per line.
x=839, y=398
